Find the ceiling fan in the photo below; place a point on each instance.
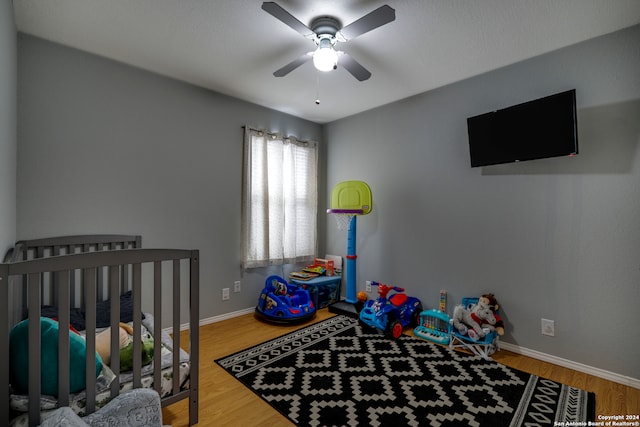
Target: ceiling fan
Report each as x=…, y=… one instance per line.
x=325, y=32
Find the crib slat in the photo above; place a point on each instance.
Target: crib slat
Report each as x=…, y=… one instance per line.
x=63, y=336
x=35, y=347
x=137, y=321
x=89, y=282
x=194, y=335
x=77, y=290
x=157, y=325
x=114, y=295
x=176, y=323
x=55, y=251
x=100, y=284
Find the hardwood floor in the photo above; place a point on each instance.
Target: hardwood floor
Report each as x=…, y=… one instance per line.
x=226, y=402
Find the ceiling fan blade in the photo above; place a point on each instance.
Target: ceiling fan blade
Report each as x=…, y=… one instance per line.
x=377, y=18
x=292, y=65
x=354, y=67
x=287, y=18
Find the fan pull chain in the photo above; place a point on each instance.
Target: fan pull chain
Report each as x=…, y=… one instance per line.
x=317, y=88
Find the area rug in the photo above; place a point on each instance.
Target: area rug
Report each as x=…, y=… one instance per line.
x=337, y=373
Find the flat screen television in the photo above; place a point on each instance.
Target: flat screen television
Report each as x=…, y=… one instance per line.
x=538, y=129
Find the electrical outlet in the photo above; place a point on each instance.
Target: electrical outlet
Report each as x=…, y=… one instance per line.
x=367, y=286
x=225, y=294
x=548, y=327
x=236, y=286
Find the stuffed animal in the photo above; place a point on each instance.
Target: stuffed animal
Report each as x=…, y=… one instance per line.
x=126, y=355
x=491, y=301
x=464, y=323
x=19, y=353
x=483, y=315
x=103, y=347
x=469, y=322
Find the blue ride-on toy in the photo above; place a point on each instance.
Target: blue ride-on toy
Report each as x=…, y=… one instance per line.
x=281, y=302
x=391, y=314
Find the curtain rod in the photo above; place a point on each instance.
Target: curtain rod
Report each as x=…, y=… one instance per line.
x=276, y=134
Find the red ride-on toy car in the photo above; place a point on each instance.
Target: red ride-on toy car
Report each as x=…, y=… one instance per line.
x=391, y=314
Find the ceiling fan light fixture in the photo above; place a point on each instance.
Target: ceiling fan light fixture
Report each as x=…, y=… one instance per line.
x=326, y=31
x=325, y=58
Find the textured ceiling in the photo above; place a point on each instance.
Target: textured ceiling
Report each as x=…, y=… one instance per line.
x=233, y=46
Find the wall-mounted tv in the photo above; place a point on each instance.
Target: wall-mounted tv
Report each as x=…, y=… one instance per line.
x=538, y=129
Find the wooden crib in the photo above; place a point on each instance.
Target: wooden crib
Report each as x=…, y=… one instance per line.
x=85, y=274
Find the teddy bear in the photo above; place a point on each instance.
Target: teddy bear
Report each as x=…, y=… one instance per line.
x=473, y=322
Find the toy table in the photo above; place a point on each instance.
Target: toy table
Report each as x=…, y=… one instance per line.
x=324, y=290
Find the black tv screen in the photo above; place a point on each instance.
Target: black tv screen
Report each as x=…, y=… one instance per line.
x=538, y=129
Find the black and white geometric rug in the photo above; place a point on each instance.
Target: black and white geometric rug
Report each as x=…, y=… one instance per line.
x=335, y=373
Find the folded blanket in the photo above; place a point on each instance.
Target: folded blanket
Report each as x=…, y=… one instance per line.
x=103, y=313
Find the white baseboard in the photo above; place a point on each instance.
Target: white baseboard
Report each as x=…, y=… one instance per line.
x=214, y=319
x=580, y=367
x=226, y=316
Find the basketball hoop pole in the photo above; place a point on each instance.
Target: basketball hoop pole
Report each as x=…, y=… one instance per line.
x=351, y=262
x=346, y=219
x=348, y=200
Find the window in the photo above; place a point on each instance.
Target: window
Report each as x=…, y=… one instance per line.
x=279, y=201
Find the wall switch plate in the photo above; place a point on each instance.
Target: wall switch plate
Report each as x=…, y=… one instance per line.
x=236, y=286
x=548, y=327
x=225, y=294
x=367, y=286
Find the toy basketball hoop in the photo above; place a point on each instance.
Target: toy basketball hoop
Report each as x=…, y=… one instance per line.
x=348, y=200
x=343, y=216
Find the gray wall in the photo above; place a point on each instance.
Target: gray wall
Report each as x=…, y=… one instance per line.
x=554, y=238
x=8, y=122
x=107, y=148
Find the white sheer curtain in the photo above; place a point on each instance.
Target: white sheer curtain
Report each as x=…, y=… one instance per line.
x=279, y=200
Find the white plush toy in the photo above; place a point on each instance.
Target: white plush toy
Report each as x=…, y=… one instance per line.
x=468, y=322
